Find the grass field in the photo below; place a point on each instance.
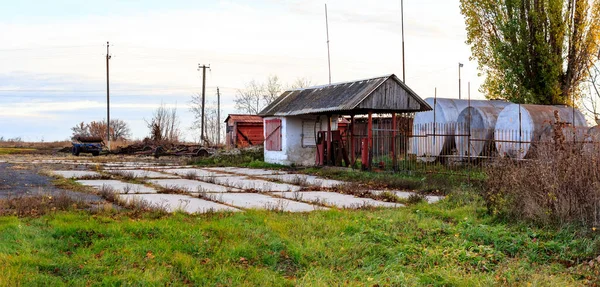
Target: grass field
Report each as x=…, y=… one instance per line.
x=12, y=150
x=453, y=243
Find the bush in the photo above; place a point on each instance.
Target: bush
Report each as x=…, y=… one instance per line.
x=560, y=184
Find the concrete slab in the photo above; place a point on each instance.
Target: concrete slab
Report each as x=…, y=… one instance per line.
x=335, y=199
x=192, y=185
x=407, y=194
x=246, y=183
x=119, y=186
x=305, y=180
x=255, y=171
x=173, y=202
x=76, y=173
x=140, y=173
x=195, y=171
x=261, y=201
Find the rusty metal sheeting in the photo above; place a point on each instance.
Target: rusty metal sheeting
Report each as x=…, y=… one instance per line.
x=244, y=118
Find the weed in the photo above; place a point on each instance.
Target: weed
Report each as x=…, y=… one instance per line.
x=37, y=205
x=190, y=175
x=126, y=175
x=416, y=198
x=174, y=189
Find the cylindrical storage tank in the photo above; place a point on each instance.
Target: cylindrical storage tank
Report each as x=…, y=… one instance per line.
x=514, y=138
x=592, y=140
x=476, y=125
x=433, y=131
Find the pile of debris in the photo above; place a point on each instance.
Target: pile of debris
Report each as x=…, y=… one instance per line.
x=164, y=149
x=157, y=149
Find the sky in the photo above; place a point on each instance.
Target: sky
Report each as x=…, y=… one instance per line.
x=53, y=54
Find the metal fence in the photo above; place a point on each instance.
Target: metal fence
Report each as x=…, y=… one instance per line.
x=454, y=148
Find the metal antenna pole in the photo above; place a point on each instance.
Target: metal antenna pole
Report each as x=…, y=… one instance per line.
x=403, y=62
x=107, y=95
x=459, y=66
x=328, y=53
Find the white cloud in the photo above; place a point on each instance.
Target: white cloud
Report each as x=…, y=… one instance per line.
x=157, y=52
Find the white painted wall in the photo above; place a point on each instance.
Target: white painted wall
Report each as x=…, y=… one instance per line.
x=292, y=151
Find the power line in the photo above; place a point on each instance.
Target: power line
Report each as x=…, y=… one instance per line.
x=113, y=90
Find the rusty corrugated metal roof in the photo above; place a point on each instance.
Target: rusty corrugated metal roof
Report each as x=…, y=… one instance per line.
x=244, y=118
x=340, y=98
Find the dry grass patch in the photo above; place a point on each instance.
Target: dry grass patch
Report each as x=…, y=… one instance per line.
x=37, y=205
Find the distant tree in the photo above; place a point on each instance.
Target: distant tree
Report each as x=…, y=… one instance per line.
x=301, y=83
x=256, y=96
x=251, y=99
x=210, y=120
x=273, y=89
x=164, y=125
x=119, y=129
x=533, y=51
x=81, y=129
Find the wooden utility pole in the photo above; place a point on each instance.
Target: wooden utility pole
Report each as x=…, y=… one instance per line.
x=107, y=96
x=218, y=116
x=203, y=67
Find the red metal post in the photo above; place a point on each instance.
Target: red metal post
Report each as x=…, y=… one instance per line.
x=370, y=138
x=329, y=159
x=351, y=129
x=393, y=145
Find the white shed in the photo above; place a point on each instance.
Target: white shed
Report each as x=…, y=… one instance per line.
x=292, y=121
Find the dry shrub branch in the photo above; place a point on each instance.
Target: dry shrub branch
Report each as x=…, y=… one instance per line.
x=559, y=185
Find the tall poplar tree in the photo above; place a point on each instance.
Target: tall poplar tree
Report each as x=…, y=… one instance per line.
x=533, y=51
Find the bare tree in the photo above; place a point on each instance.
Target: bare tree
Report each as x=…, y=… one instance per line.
x=251, y=99
x=590, y=100
x=81, y=129
x=164, y=125
x=119, y=129
x=211, y=123
x=301, y=83
x=272, y=89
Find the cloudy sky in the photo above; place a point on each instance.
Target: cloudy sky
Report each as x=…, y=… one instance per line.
x=52, y=57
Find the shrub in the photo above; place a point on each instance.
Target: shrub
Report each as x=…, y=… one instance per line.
x=560, y=184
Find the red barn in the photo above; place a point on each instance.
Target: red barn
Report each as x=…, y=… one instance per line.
x=244, y=131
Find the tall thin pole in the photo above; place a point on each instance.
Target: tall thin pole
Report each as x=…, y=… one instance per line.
x=459, y=66
x=218, y=116
x=328, y=53
x=203, y=67
x=469, y=134
x=107, y=95
x=403, y=62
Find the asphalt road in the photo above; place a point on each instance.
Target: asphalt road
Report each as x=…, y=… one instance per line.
x=25, y=180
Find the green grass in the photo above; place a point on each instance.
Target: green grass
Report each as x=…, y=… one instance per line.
x=453, y=243
x=13, y=150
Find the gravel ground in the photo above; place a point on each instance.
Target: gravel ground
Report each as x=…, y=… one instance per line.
x=23, y=180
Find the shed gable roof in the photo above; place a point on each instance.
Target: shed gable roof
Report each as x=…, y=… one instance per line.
x=244, y=118
x=382, y=94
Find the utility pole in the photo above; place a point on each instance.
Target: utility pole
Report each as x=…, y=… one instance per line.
x=403, y=65
x=459, y=66
x=107, y=96
x=218, y=116
x=203, y=67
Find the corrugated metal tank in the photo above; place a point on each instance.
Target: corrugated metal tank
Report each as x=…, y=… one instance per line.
x=592, y=141
x=442, y=121
x=481, y=121
x=515, y=141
